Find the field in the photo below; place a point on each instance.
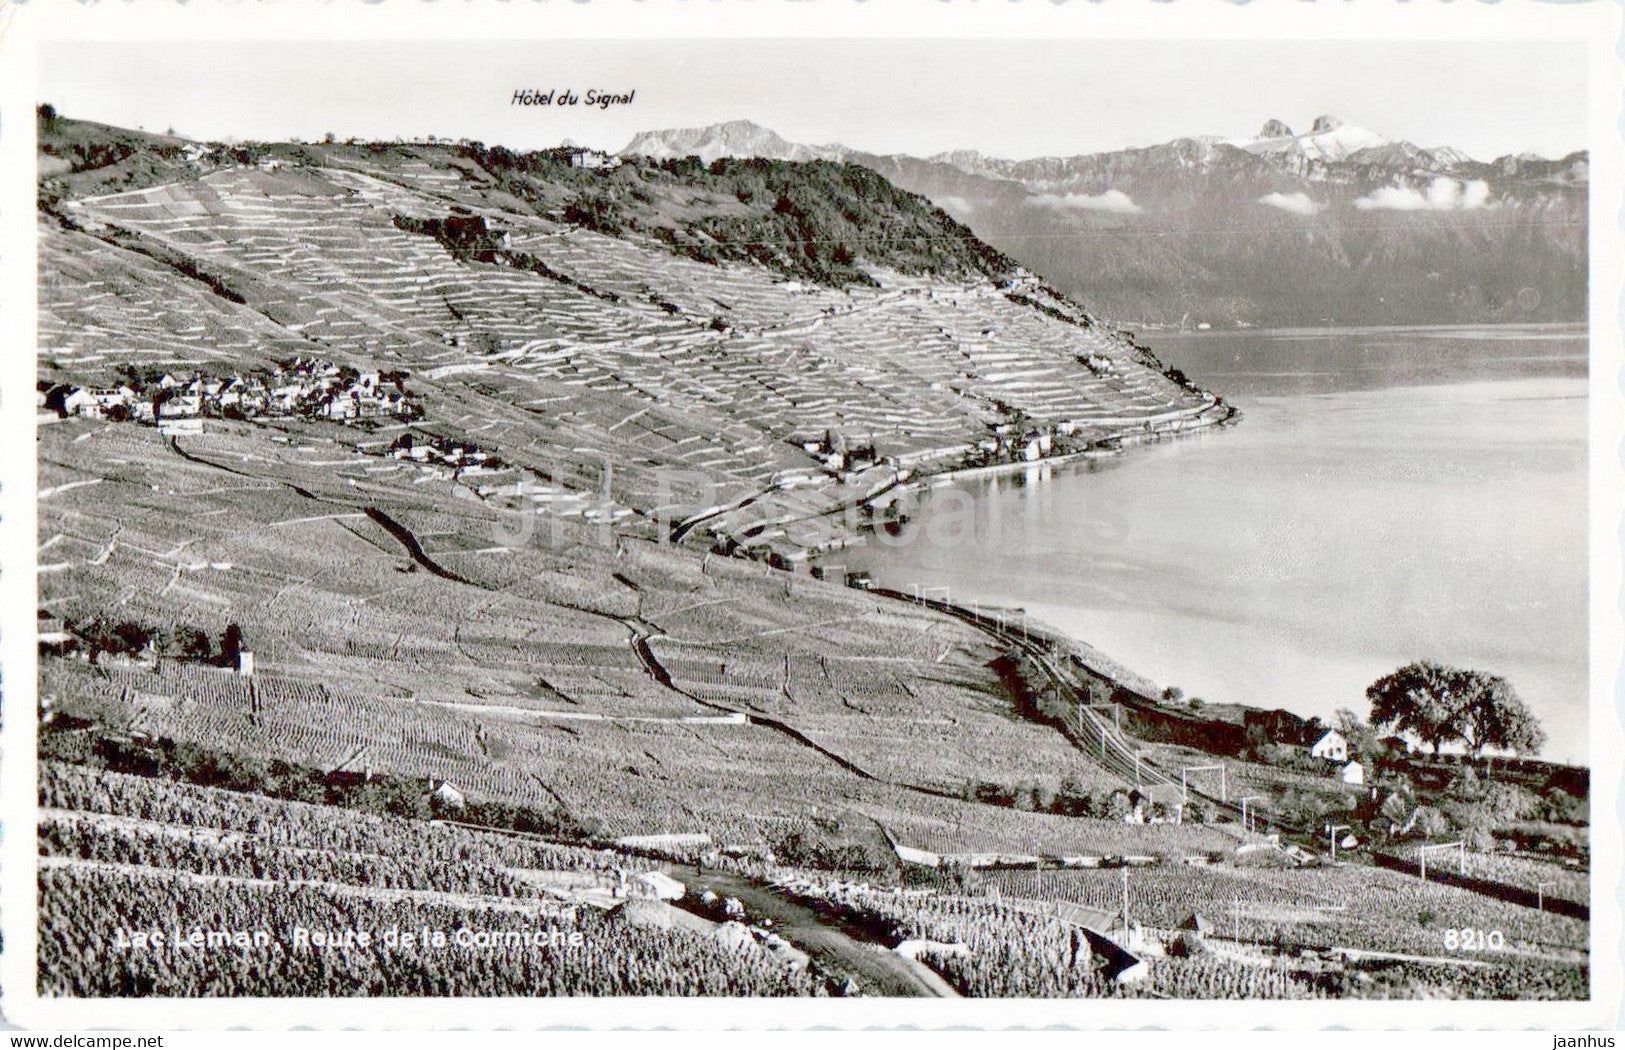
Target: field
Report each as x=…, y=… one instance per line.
x=122, y=857
x=1324, y=907
x=1031, y=934
x=521, y=678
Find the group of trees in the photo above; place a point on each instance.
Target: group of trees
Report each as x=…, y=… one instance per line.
x=804, y=850
x=819, y=221
x=100, y=636
x=1439, y=705
x=1174, y=696
x=1071, y=799
x=378, y=793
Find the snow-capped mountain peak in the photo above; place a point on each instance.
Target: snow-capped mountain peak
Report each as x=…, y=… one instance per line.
x=1328, y=140
x=735, y=138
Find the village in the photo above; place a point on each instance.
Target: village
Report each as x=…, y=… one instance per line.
x=299, y=387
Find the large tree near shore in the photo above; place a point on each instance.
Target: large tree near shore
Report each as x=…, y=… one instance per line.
x=1437, y=705
x=1496, y=716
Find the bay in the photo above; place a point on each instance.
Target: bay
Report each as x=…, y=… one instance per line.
x=1390, y=495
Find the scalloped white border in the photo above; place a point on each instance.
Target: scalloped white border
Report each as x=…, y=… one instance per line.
x=1596, y=24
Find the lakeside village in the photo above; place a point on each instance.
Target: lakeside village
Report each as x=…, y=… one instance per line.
x=1019, y=440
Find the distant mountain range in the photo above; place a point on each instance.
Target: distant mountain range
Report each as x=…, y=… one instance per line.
x=1338, y=224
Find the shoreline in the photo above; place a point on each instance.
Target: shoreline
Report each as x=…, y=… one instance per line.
x=1011, y=615
x=1109, y=446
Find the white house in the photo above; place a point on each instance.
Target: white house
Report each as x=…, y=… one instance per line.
x=1331, y=746
x=188, y=425
x=1352, y=773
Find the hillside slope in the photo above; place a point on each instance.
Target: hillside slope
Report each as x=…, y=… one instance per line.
x=395, y=479
x=431, y=416
x=663, y=338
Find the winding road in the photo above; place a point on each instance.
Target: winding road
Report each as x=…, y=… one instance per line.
x=836, y=945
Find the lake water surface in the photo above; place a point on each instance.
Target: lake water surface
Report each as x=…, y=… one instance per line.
x=1391, y=495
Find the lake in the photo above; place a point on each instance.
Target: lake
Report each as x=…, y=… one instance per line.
x=1390, y=495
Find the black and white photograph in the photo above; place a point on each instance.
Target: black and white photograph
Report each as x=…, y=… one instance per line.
x=844, y=518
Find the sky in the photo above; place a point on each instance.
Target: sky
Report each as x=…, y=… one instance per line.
x=1009, y=98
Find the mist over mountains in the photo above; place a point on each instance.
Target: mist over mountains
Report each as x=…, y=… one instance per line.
x=1336, y=224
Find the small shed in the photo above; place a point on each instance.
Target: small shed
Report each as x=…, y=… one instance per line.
x=445, y=794
x=1195, y=924
x=1352, y=773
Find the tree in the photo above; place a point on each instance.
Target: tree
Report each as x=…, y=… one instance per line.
x=183, y=643
x=1415, y=699
x=1301, y=807
x=1439, y=704
x=1495, y=716
x=1361, y=737
x=1396, y=808
x=231, y=643
x=1430, y=823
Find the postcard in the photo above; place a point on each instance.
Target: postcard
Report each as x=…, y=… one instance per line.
x=885, y=514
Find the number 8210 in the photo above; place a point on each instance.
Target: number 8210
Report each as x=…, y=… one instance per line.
x=1468, y=939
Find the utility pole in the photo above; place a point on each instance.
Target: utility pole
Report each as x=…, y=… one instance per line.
x=1246, y=824
x=1235, y=915
x=1224, y=780
x=1331, y=834
x=1125, y=901
x=1459, y=845
x=1540, y=895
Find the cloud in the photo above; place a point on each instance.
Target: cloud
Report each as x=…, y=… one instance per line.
x=1442, y=194
x=953, y=205
x=1111, y=200
x=1296, y=203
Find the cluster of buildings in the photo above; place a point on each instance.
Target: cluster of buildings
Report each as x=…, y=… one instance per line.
x=1018, y=444
x=1313, y=745
x=305, y=387
x=591, y=159
x=841, y=456
x=443, y=452
x=1100, y=365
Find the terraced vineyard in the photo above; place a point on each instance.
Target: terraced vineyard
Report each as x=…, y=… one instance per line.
x=564, y=344
x=122, y=858
x=519, y=679
x=1349, y=907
